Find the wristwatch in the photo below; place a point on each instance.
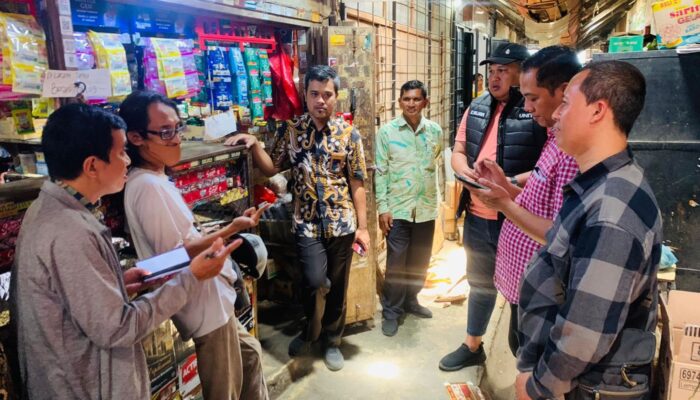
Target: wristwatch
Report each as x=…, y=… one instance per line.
x=514, y=180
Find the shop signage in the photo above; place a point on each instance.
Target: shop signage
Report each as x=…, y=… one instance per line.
x=63, y=83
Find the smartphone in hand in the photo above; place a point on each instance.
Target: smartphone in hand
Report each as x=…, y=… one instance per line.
x=358, y=248
x=470, y=182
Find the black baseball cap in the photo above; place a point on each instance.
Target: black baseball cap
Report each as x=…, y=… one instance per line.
x=507, y=53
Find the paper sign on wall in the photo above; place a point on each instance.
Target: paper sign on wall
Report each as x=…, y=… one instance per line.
x=219, y=125
x=337, y=40
x=62, y=83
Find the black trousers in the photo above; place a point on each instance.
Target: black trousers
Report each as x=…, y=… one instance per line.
x=409, y=245
x=326, y=268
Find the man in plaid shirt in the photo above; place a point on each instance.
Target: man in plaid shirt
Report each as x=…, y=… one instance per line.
x=530, y=212
x=596, y=274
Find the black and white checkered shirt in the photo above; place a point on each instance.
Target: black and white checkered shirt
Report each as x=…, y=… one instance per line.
x=595, y=276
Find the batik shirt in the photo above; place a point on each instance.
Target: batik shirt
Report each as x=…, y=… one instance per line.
x=322, y=162
x=405, y=180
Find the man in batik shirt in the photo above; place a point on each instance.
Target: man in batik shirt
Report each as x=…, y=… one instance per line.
x=328, y=172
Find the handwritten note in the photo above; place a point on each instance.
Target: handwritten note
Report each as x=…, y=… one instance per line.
x=62, y=83
x=219, y=125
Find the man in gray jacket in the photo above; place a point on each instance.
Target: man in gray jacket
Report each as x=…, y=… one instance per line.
x=78, y=333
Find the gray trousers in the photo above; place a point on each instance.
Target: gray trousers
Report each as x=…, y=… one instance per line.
x=229, y=361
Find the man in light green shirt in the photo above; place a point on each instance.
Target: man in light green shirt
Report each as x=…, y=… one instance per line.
x=406, y=153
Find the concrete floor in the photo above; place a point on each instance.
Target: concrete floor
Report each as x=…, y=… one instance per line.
x=402, y=367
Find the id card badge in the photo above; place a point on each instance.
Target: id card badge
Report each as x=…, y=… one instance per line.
x=338, y=161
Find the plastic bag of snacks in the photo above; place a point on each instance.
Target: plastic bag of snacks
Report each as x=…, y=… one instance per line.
x=255, y=88
x=677, y=22
x=171, y=70
x=110, y=54
x=24, y=57
x=189, y=65
x=220, y=78
x=240, y=78
x=264, y=65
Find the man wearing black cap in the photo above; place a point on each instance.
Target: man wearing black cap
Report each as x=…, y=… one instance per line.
x=495, y=127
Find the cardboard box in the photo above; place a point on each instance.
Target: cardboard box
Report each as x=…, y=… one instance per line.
x=452, y=192
x=626, y=44
x=677, y=22
x=680, y=346
x=449, y=221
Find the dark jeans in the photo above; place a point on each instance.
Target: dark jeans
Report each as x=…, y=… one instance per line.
x=409, y=245
x=480, y=241
x=326, y=268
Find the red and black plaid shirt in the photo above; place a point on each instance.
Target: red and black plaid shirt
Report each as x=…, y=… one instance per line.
x=542, y=196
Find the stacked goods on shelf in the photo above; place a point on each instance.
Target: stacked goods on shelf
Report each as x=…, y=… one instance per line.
x=220, y=78
x=24, y=58
x=170, y=67
x=250, y=55
x=264, y=65
x=110, y=54
x=189, y=64
x=240, y=78
x=11, y=215
x=202, y=184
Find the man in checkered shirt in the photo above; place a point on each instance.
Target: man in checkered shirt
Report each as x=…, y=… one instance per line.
x=530, y=212
x=594, y=281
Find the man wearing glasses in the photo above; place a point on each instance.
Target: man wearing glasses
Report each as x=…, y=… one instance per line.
x=228, y=358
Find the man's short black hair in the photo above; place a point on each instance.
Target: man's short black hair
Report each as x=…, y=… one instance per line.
x=134, y=110
x=75, y=132
x=321, y=73
x=619, y=83
x=555, y=65
x=414, y=84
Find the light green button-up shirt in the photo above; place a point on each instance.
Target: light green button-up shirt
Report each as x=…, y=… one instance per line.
x=406, y=161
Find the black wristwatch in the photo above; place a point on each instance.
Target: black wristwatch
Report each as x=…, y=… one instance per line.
x=514, y=180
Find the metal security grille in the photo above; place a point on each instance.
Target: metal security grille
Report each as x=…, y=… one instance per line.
x=413, y=41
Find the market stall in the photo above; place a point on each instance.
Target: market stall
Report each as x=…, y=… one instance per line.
x=230, y=67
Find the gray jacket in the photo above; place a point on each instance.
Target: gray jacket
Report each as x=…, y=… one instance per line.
x=78, y=334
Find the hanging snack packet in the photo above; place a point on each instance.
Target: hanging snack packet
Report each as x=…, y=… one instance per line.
x=250, y=56
x=220, y=78
x=170, y=67
x=110, y=54
x=24, y=56
x=240, y=78
x=264, y=65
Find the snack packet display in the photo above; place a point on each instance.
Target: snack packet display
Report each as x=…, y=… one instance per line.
x=84, y=53
x=264, y=66
x=250, y=56
x=202, y=96
x=110, y=54
x=24, y=56
x=220, y=78
x=240, y=78
x=189, y=64
x=171, y=71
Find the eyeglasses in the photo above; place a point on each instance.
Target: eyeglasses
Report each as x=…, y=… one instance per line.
x=169, y=133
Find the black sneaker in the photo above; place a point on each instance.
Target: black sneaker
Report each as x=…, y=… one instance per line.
x=420, y=311
x=463, y=357
x=390, y=327
x=297, y=346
